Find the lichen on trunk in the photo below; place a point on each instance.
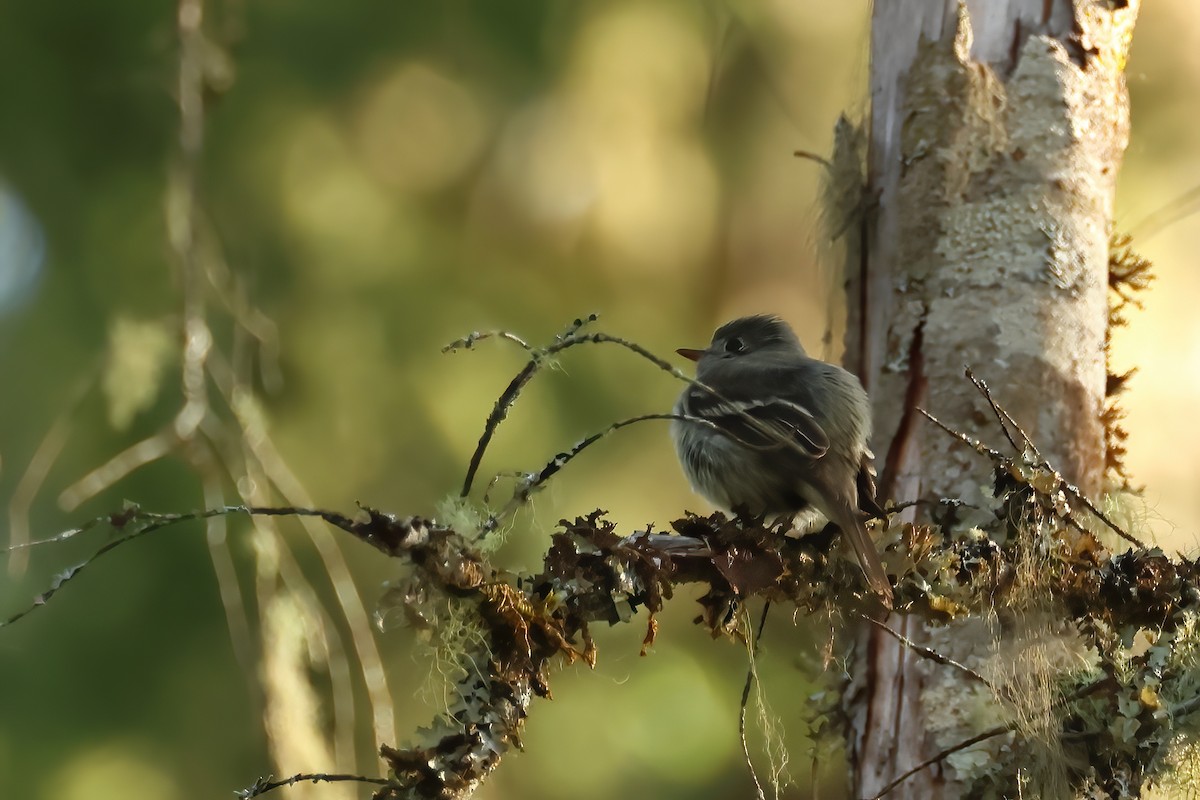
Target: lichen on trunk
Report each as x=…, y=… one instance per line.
x=996, y=133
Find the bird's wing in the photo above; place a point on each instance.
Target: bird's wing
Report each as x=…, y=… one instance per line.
x=765, y=424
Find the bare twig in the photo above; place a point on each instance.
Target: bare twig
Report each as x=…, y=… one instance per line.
x=811, y=156
x=1078, y=694
x=991, y=733
x=974, y=444
x=1071, y=490
x=268, y=784
x=572, y=338
x=927, y=652
x=528, y=483
x=1004, y=418
x=509, y=396
x=69, y=574
x=1074, y=492
x=144, y=522
x=61, y=536
x=468, y=342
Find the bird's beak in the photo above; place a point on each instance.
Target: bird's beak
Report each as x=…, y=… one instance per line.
x=690, y=354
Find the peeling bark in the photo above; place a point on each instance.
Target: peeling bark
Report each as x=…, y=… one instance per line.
x=996, y=132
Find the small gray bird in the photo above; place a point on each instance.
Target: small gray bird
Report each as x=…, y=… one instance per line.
x=790, y=432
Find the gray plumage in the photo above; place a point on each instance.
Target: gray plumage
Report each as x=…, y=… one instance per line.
x=806, y=445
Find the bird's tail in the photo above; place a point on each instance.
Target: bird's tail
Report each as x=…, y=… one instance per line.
x=864, y=547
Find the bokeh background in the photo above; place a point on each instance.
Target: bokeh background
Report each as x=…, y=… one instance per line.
x=379, y=179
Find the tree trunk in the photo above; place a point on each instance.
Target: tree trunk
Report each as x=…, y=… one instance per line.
x=996, y=131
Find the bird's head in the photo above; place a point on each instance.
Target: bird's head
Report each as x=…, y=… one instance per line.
x=761, y=335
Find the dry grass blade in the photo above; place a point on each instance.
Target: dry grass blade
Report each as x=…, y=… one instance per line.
x=132, y=458
x=36, y=472
x=751, y=672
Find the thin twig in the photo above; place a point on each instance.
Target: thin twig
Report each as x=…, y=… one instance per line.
x=530, y=482
x=1005, y=419
x=509, y=396
x=468, y=342
x=1100, y=515
x=1178, y=208
x=268, y=784
x=1078, y=694
x=811, y=156
x=59, y=537
x=70, y=573
x=928, y=653
x=942, y=756
x=1002, y=417
x=974, y=444
x=145, y=522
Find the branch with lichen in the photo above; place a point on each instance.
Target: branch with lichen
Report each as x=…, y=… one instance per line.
x=1038, y=546
x=593, y=574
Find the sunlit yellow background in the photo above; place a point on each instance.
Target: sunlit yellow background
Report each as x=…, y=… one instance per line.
x=385, y=178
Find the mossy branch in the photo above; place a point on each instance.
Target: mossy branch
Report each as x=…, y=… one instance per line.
x=1038, y=543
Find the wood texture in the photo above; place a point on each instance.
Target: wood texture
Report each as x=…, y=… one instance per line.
x=997, y=128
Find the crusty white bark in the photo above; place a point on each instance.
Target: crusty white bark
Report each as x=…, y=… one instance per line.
x=997, y=129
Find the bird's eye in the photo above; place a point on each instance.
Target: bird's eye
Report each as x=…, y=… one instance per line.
x=734, y=345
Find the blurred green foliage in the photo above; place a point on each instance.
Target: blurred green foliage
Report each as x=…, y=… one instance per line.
x=382, y=178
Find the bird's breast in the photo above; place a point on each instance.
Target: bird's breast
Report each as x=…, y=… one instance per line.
x=732, y=476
